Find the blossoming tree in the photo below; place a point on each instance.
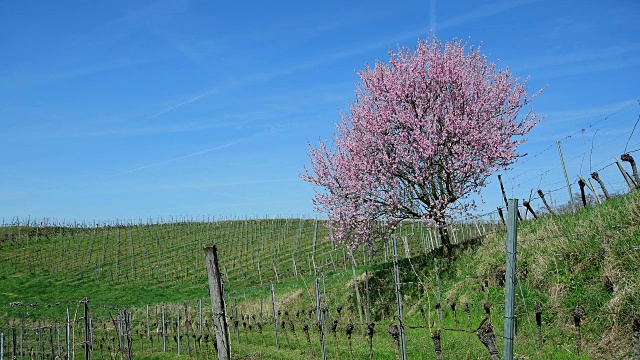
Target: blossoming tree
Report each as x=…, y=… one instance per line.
x=425, y=131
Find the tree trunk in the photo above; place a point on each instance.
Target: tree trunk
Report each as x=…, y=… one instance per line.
x=596, y=177
x=582, y=184
x=488, y=338
x=444, y=236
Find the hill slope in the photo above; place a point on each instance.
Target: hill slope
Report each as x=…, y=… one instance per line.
x=589, y=260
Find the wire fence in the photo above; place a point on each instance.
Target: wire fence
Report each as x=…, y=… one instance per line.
x=585, y=145
x=345, y=324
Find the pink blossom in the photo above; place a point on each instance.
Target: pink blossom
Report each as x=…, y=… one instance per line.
x=425, y=131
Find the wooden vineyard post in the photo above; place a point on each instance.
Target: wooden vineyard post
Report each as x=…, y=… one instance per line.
x=164, y=331
x=217, y=302
x=147, y=318
x=501, y=214
x=320, y=321
x=626, y=176
x=544, y=201
x=566, y=177
x=504, y=196
x=275, y=315
x=187, y=325
x=178, y=328
x=528, y=206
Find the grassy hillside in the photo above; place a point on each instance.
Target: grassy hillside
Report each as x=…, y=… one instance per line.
x=589, y=259
x=112, y=262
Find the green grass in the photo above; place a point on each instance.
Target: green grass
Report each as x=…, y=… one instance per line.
x=590, y=258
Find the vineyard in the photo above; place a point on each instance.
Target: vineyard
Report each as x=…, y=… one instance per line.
x=147, y=295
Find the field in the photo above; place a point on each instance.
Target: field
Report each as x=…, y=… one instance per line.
x=578, y=293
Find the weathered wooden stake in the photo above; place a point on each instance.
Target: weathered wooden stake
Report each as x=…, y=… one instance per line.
x=147, y=321
x=528, y=206
x=217, y=302
x=129, y=347
x=566, y=177
x=504, y=196
x=501, y=214
x=164, y=330
x=236, y=319
x=275, y=315
x=187, y=325
x=626, y=176
x=544, y=201
x=178, y=327
x=320, y=321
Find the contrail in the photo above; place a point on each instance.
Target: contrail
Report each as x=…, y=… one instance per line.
x=202, y=152
x=197, y=153
x=179, y=105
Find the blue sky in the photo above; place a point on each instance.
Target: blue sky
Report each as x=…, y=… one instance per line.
x=187, y=108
